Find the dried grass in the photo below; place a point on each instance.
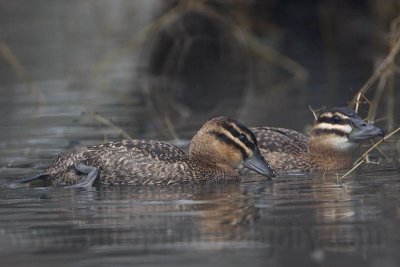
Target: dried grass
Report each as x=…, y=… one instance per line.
x=384, y=76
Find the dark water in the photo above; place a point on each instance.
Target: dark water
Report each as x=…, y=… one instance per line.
x=302, y=220
x=81, y=59
x=295, y=220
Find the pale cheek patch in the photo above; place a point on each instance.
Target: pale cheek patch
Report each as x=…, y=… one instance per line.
x=339, y=143
x=343, y=128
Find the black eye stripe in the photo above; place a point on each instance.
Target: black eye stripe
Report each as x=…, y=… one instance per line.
x=225, y=139
x=319, y=131
x=235, y=133
x=330, y=120
x=246, y=130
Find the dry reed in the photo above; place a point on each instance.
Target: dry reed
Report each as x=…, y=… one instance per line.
x=384, y=77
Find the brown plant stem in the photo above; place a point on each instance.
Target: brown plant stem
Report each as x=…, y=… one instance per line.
x=361, y=159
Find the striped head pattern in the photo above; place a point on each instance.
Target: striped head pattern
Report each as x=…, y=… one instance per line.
x=230, y=143
x=342, y=129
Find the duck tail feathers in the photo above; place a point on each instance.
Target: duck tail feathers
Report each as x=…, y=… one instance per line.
x=28, y=179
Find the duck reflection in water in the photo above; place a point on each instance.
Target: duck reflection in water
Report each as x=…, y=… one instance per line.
x=140, y=217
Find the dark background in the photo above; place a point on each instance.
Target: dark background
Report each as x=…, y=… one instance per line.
x=161, y=68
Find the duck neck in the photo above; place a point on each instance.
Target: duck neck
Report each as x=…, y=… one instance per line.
x=215, y=171
x=325, y=157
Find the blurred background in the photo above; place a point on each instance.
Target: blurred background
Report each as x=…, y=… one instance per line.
x=88, y=71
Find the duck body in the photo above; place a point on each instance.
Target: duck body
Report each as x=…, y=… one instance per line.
x=287, y=150
x=334, y=140
x=215, y=152
x=137, y=162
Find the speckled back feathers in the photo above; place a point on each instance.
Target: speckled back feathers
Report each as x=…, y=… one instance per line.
x=215, y=151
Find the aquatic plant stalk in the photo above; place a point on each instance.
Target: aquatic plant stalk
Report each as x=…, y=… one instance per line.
x=361, y=159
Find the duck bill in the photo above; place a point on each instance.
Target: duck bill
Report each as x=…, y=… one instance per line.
x=364, y=131
x=259, y=164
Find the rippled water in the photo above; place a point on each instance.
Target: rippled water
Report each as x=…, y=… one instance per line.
x=294, y=220
x=302, y=220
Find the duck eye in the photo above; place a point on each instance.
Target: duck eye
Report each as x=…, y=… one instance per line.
x=242, y=137
x=336, y=119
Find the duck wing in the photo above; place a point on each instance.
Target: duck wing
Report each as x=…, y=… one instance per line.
x=139, y=162
x=280, y=140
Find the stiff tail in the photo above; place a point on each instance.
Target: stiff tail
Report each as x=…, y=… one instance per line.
x=28, y=179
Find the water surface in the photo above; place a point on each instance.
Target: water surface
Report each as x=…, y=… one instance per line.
x=304, y=220
x=294, y=220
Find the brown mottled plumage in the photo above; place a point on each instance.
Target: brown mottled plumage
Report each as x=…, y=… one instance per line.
x=215, y=151
x=333, y=141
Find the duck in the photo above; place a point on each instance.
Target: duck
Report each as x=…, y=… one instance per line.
x=216, y=150
x=333, y=143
